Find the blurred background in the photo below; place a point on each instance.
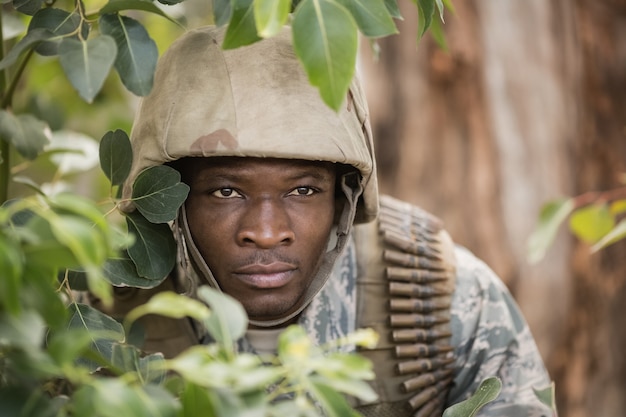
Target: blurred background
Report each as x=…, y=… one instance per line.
x=527, y=104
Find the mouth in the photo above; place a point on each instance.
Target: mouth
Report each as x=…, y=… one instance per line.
x=274, y=275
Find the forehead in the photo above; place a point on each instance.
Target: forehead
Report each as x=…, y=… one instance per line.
x=202, y=168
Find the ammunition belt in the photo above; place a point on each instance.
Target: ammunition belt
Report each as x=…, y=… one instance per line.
x=405, y=283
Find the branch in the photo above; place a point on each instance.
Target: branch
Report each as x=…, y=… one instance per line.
x=596, y=196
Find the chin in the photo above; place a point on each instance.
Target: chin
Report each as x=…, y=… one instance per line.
x=262, y=308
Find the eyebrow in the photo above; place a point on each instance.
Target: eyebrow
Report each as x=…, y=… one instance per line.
x=226, y=175
x=321, y=175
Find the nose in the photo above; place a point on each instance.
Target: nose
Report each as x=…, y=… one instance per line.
x=265, y=224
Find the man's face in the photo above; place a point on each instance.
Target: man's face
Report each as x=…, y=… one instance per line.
x=262, y=226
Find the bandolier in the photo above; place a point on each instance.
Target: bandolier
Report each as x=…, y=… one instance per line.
x=405, y=284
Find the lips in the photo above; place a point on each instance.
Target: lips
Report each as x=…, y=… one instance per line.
x=266, y=276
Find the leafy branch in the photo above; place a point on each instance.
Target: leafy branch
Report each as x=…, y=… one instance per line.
x=596, y=218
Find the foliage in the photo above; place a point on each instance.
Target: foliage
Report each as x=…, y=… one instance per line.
x=61, y=357
x=55, y=350
x=547, y=396
x=89, y=44
x=595, y=218
x=485, y=393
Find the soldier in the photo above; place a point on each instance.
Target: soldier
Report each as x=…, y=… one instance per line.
x=284, y=215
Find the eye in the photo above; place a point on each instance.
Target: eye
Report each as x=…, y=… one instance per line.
x=226, y=193
x=302, y=191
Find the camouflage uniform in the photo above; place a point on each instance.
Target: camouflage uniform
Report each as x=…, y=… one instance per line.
x=256, y=101
x=491, y=338
x=488, y=332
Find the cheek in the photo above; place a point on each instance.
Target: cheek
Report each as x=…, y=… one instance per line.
x=317, y=223
x=207, y=231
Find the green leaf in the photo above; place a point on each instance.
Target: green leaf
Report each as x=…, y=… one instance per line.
x=486, y=392
x=325, y=40
x=103, y=329
x=618, y=207
x=295, y=346
x=60, y=23
x=372, y=17
x=154, y=250
x=163, y=403
x=616, y=234
x=114, y=6
x=158, y=193
x=11, y=265
x=28, y=7
x=12, y=25
x=198, y=365
x=25, y=331
x=441, y=9
x=39, y=293
x=81, y=237
x=551, y=216
x=592, y=222
x=72, y=152
x=42, y=248
x=228, y=321
x=68, y=344
x=169, y=304
x=113, y=397
x=426, y=10
x=28, y=182
x=348, y=386
x=121, y=271
x=98, y=324
x=76, y=279
x=333, y=402
x=222, y=11
x=546, y=396
x=137, y=53
x=197, y=401
x=363, y=337
x=270, y=16
x=25, y=132
x=87, y=210
x=393, y=9
x=436, y=30
x=125, y=357
x=87, y=63
x=18, y=217
x=449, y=5
x=242, y=27
x=352, y=365
x=151, y=368
x=116, y=156
x=27, y=401
x=29, y=41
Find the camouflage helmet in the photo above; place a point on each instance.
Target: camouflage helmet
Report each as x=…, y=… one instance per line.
x=252, y=101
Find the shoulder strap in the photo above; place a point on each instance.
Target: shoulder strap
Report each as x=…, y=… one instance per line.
x=406, y=277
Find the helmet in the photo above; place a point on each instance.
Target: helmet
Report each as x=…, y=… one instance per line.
x=253, y=101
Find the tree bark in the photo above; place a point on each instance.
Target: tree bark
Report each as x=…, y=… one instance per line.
x=526, y=106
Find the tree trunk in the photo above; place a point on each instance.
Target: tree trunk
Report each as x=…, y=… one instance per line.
x=528, y=105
